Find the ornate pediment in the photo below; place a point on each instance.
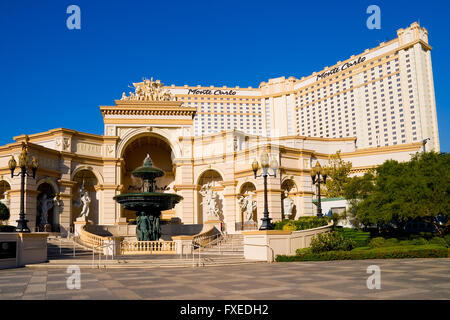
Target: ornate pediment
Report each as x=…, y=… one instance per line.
x=149, y=90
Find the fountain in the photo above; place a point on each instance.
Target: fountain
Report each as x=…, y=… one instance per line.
x=148, y=204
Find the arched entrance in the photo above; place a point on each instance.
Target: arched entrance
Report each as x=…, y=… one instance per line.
x=288, y=199
x=247, y=200
x=4, y=192
x=209, y=178
x=88, y=180
x=134, y=154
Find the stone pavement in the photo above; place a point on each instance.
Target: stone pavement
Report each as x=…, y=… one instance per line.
x=400, y=279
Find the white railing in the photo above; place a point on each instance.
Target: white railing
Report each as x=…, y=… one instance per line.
x=148, y=247
x=206, y=237
x=109, y=247
x=91, y=240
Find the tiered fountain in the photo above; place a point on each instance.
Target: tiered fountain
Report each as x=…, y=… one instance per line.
x=148, y=204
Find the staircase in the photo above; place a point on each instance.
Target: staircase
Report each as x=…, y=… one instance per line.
x=226, y=251
x=64, y=248
x=229, y=245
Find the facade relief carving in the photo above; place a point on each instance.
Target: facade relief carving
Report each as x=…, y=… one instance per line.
x=89, y=148
x=63, y=144
x=149, y=90
x=110, y=150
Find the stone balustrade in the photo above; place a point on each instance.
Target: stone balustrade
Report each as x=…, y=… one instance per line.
x=148, y=247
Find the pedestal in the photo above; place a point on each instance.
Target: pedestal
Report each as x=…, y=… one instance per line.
x=80, y=223
x=183, y=244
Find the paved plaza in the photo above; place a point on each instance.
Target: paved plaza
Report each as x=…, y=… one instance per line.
x=400, y=279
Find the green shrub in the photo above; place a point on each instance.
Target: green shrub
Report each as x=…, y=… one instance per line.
x=359, y=237
x=391, y=242
x=447, y=239
x=4, y=228
x=290, y=226
x=419, y=241
x=4, y=212
x=377, y=242
x=330, y=242
x=439, y=241
x=425, y=251
x=303, y=251
x=405, y=242
x=303, y=223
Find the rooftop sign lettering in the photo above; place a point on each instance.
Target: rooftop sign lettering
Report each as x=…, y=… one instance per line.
x=212, y=92
x=341, y=68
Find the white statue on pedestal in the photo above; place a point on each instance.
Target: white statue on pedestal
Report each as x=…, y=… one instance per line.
x=288, y=205
x=85, y=202
x=248, y=205
x=209, y=201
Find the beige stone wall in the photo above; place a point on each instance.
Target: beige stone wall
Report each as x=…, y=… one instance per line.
x=229, y=153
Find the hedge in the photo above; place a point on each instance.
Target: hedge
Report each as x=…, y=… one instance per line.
x=361, y=238
x=426, y=251
x=302, y=223
x=5, y=228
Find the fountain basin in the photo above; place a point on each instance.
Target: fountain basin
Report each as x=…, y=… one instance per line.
x=148, y=201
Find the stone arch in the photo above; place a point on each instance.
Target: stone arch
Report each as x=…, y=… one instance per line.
x=244, y=190
x=214, y=177
x=159, y=133
x=247, y=186
x=288, y=183
x=289, y=190
x=89, y=177
x=47, y=219
x=212, y=168
x=79, y=168
x=50, y=181
x=5, y=187
x=133, y=154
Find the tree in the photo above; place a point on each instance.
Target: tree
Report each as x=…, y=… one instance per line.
x=4, y=212
x=399, y=192
x=338, y=175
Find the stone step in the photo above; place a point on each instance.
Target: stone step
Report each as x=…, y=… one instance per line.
x=145, y=264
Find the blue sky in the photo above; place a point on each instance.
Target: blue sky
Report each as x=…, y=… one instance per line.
x=52, y=77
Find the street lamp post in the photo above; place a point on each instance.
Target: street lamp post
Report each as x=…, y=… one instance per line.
x=266, y=224
x=24, y=166
x=424, y=143
x=318, y=176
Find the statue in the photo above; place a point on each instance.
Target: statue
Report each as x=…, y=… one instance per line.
x=5, y=200
x=45, y=205
x=86, y=201
x=248, y=205
x=149, y=90
x=209, y=201
x=156, y=230
x=288, y=205
x=83, y=202
x=147, y=228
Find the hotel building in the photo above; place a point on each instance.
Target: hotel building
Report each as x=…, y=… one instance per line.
x=374, y=106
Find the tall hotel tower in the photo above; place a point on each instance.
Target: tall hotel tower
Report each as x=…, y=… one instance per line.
x=383, y=97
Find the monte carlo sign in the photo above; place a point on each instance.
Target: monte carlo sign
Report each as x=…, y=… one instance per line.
x=340, y=68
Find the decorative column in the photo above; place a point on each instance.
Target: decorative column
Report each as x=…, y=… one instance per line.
x=66, y=198
x=186, y=209
x=229, y=206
